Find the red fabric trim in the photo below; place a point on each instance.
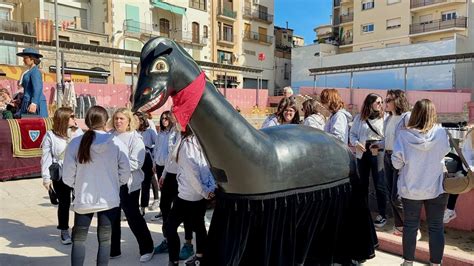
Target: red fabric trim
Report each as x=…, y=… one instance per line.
x=185, y=101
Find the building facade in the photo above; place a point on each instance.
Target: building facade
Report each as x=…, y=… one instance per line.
x=283, y=45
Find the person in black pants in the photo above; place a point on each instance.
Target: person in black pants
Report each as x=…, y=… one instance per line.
x=53, y=148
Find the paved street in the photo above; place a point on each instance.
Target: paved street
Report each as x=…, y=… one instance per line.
x=28, y=234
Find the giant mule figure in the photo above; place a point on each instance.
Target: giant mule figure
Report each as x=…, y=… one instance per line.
x=287, y=195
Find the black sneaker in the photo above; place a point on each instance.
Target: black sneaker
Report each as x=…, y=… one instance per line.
x=193, y=261
x=380, y=221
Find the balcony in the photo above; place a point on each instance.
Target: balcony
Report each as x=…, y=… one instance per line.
x=346, y=41
x=256, y=14
x=346, y=18
x=257, y=37
x=24, y=28
x=437, y=25
x=346, y=2
x=226, y=13
x=426, y=3
x=144, y=31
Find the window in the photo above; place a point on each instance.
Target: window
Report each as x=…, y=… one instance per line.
x=198, y=4
x=368, y=28
x=224, y=57
x=63, y=38
x=94, y=42
x=448, y=15
x=286, y=74
x=367, y=4
x=391, y=2
x=247, y=28
x=4, y=13
x=195, y=28
x=426, y=19
x=227, y=33
x=205, y=32
x=393, y=23
x=164, y=27
x=250, y=52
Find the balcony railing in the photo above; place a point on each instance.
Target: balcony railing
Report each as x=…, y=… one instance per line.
x=336, y=21
x=16, y=27
x=435, y=25
x=255, y=36
x=420, y=3
x=227, y=13
x=256, y=14
x=346, y=18
x=137, y=29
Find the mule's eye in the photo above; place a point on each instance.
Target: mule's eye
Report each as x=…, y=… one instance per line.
x=159, y=66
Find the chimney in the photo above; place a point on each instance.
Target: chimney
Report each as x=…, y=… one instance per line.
x=287, y=25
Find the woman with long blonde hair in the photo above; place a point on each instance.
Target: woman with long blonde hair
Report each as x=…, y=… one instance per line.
x=124, y=127
x=418, y=153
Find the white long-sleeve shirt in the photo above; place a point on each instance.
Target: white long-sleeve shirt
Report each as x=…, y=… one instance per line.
x=97, y=183
x=162, y=144
x=171, y=166
x=53, y=148
x=195, y=180
x=338, y=125
x=467, y=151
x=315, y=120
x=360, y=132
x=136, y=155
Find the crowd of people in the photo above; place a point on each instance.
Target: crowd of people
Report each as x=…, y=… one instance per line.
x=113, y=165
x=402, y=149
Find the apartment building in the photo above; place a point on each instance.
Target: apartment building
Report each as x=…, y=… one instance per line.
x=283, y=45
x=369, y=24
x=85, y=23
x=243, y=32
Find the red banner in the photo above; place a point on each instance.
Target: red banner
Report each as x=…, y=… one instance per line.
x=27, y=135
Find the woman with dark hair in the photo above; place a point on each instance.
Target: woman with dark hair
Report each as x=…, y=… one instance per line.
x=168, y=144
x=195, y=185
x=418, y=154
x=397, y=107
x=366, y=130
x=124, y=128
x=272, y=120
x=34, y=101
x=53, y=147
x=95, y=166
x=289, y=113
x=312, y=115
x=149, y=139
x=338, y=123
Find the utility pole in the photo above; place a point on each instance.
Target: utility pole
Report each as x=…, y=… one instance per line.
x=58, y=63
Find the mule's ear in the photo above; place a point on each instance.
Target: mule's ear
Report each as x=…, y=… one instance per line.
x=162, y=49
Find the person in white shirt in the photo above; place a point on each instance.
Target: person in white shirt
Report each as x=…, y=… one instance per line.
x=397, y=107
x=149, y=138
x=338, y=123
x=195, y=185
x=169, y=187
x=312, y=115
x=418, y=153
x=95, y=165
x=124, y=128
x=53, y=148
x=366, y=130
x=272, y=119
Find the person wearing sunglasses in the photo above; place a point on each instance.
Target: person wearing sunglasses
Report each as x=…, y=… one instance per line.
x=367, y=130
x=398, y=115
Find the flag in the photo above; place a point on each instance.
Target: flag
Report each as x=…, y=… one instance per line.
x=44, y=30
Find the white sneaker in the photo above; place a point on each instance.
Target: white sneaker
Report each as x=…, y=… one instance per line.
x=449, y=215
x=146, y=257
x=418, y=235
x=380, y=221
x=155, y=205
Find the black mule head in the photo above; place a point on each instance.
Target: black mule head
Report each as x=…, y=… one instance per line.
x=165, y=69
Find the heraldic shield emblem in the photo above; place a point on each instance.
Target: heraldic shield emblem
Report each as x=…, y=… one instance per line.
x=34, y=135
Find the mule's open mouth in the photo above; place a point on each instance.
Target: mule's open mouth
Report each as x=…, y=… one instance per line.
x=152, y=105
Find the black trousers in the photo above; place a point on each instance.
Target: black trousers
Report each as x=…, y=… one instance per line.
x=129, y=205
x=192, y=211
x=373, y=164
x=169, y=192
x=64, y=198
x=147, y=169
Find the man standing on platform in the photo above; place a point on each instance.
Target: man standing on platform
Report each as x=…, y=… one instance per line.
x=34, y=101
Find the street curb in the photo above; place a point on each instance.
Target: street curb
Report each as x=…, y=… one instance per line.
x=393, y=244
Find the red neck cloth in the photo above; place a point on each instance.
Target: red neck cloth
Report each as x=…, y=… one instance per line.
x=185, y=101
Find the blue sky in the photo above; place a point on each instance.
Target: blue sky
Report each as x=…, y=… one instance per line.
x=303, y=16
